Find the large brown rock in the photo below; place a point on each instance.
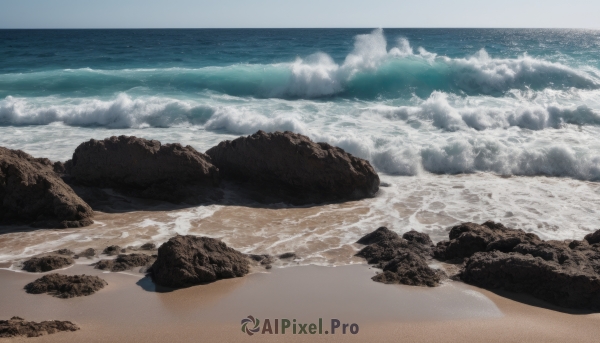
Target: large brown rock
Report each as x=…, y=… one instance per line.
x=46, y=263
x=189, y=260
x=32, y=193
x=66, y=286
x=560, y=284
x=16, y=326
x=408, y=268
x=144, y=168
x=292, y=168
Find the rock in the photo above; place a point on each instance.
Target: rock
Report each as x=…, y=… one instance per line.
x=112, y=250
x=89, y=253
x=593, y=238
x=144, y=168
x=66, y=286
x=65, y=252
x=125, y=262
x=469, y=238
x=46, y=263
x=290, y=167
x=387, y=249
x=418, y=237
x=148, y=246
x=382, y=233
x=559, y=284
x=17, y=326
x=190, y=260
x=264, y=259
x=32, y=193
x=288, y=256
x=409, y=268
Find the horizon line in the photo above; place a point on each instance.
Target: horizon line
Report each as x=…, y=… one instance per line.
x=298, y=28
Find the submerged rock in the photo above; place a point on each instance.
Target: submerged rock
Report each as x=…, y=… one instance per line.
x=125, y=262
x=290, y=167
x=17, y=326
x=32, y=193
x=288, y=256
x=112, y=250
x=67, y=252
x=46, y=263
x=89, y=253
x=66, y=286
x=560, y=284
x=148, y=246
x=189, y=260
x=144, y=168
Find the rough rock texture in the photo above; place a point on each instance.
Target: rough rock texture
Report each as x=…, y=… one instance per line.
x=190, y=260
x=292, y=168
x=288, y=256
x=67, y=252
x=89, y=253
x=32, y=193
x=16, y=326
x=409, y=268
x=125, y=262
x=560, y=284
x=66, y=286
x=264, y=259
x=403, y=260
x=144, y=168
x=46, y=263
x=469, y=238
x=148, y=246
x=112, y=250
x=593, y=238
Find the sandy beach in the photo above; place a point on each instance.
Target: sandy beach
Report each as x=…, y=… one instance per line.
x=131, y=309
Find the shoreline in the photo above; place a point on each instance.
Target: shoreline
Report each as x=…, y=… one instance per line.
x=130, y=309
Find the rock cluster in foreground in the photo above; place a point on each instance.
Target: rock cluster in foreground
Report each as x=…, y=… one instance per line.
x=66, y=286
x=189, y=260
x=31, y=192
x=292, y=168
x=17, y=326
x=125, y=262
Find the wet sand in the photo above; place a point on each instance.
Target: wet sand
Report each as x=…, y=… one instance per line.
x=132, y=309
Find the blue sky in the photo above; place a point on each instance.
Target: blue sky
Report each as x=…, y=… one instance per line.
x=297, y=13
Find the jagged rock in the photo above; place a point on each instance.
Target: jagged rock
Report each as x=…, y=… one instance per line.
x=408, y=268
x=17, y=326
x=469, y=238
x=112, y=250
x=65, y=252
x=382, y=233
x=144, y=168
x=66, y=286
x=290, y=167
x=560, y=284
x=125, y=262
x=32, y=193
x=190, y=260
x=288, y=256
x=148, y=246
x=418, y=237
x=387, y=249
x=89, y=253
x=593, y=238
x=46, y=263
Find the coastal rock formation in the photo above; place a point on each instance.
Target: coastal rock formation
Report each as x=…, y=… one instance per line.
x=16, y=326
x=66, y=286
x=290, y=167
x=144, y=168
x=189, y=260
x=561, y=284
x=89, y=253
x=32, y=193
x=112, y=250
x=469, y=238
x=125, y=262
x=403, y=260
x=148, y=246
x=46, y=263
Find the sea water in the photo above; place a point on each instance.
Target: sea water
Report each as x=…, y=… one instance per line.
x=462, y=124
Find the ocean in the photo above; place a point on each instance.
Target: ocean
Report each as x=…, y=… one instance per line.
x=461, y=124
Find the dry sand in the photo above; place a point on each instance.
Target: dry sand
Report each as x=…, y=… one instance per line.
x=131, y=309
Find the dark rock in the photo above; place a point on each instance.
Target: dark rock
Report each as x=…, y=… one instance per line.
x=89, y=253
x=190, y=260
x=148, y=246
x=288, y=256
x=418, y=237
x=112, y=250
x=382, y=233
x=16, y=326
x=144, y=168
x=32, y=193
x=559, y=284
x=593, y=238
x=65, y=252
x=292, y=168
x=66, y=286
x=387, y=249
x=469, y=238
x=408, y=268
x=264, y=259
x=46, y=263
x=125, y=262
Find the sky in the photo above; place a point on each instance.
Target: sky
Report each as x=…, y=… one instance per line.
x=298, y=13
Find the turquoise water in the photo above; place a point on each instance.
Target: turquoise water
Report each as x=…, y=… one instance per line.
x=412, y=101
